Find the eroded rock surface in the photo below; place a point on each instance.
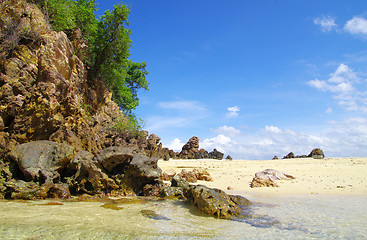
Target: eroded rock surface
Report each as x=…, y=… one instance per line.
x=268, y=177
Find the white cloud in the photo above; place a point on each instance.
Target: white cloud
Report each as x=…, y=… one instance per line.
x=228, y=131
x=329, y=110
x=357, y=26
x=345, y=138
x=182, y=105
x=233, y=111
x=220, y=142
x=273, y=129
x=346, y=86
x=327, y=23
x=176, y=145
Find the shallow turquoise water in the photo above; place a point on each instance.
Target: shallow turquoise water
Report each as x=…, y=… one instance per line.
x=297, y=217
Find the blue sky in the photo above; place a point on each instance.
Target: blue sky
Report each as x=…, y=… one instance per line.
x=251, y=78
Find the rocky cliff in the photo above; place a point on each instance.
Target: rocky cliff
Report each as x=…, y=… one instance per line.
x=45, y=97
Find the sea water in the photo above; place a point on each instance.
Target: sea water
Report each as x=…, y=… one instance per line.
x=277, y=217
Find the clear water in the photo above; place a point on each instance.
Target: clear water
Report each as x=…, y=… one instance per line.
x=311, y=217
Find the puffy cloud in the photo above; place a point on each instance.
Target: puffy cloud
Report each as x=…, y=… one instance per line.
x=228, y=131
x=233, y=111
x=176, y=145
x=327, y=23
x=339, y=139
x=220, y=142
x=357, y=26
x=272, y=129
x=346, y=86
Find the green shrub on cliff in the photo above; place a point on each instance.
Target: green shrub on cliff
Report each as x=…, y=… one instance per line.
x=109, y=45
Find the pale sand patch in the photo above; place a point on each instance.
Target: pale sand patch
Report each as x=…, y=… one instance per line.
x=346, y=176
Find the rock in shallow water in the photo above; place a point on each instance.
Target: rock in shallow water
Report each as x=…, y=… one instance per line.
x=216, y=202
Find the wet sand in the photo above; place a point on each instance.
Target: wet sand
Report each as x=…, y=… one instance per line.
x=332, y=176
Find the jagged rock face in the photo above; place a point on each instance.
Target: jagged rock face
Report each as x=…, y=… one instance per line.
x=190, y=149
x=41, y=161
x=44, y=93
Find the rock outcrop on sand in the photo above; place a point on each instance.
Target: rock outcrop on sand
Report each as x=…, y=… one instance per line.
x=190, y=176
x=268, y=177
x=316, y=153
x=191, y=151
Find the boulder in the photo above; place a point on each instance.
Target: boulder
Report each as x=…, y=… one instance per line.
x=202, y=174
x=178, y=181
x=228, y=157
x=275, y=158
x=317, y=153
x=202, y=154
x=215, y=154
x=189, y=176
x=268, y=177
x=86, y=175
x=41, y=161
x=215, y=202
x=190, y=149
x=130, y=168
x=289, y=155
x=168, y=175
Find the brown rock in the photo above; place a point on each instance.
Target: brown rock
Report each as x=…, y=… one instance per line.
x=190, y=176
x=268, y=177
x=168, y=175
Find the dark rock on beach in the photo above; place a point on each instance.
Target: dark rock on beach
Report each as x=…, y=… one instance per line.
x=41, y=161
x=289, y=155
x=317, y=153
x=215, y=154
x=216, y=202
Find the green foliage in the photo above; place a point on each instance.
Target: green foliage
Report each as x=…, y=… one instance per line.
x=110, y=59
x=130, y=124
x=109, y=42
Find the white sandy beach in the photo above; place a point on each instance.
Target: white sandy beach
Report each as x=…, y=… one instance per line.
x=346, y=176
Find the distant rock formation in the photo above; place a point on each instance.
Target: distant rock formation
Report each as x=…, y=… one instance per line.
x=215, y=154
x=289, y=155
x=228, y=157
x=317, y=153
x=268, y=177
x=275, y=158
x=191, y=151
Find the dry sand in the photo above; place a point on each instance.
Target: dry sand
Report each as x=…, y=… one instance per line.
x=346, y=176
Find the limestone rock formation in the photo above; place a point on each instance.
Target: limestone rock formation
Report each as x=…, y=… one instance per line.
x=317, y=153
x=215, y=202
x=41, y=161
x=289, y=155
x=215, y=154
x=190, y=149
x=268, y=177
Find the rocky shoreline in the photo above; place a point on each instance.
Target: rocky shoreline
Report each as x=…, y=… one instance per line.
x=62, y=135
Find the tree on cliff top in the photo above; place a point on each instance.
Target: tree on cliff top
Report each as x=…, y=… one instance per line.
x=108, y=46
